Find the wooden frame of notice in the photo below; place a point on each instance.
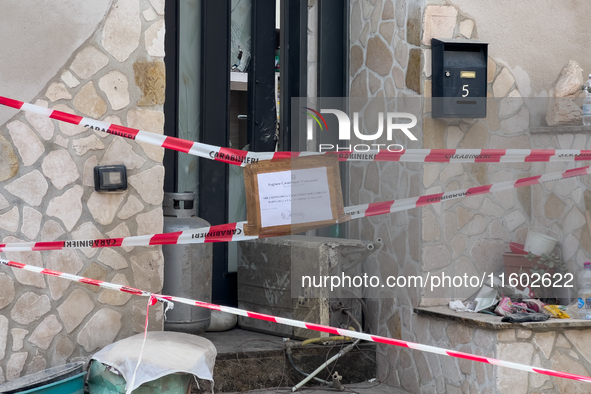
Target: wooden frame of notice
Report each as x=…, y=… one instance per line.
x=253, y=203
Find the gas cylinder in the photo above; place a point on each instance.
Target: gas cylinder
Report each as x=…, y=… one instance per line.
x=187, y=267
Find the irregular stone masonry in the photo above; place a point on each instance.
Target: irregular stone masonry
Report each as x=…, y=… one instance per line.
x=46, y=181
x=234, y=231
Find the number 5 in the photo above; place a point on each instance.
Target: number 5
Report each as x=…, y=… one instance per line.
x=465, y=89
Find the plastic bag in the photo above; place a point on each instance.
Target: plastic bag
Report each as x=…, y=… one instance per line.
x=556, y=311
x=484, y=298
x=165, y=353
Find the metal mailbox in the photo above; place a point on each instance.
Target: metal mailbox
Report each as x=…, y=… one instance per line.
x=459, y=73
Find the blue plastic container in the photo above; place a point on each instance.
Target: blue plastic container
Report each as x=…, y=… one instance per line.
x=71, y=385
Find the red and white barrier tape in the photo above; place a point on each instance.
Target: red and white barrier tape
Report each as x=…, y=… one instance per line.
x=220, y=233
x=242, y=158
x=301, y=324
x=380, y=208
x=235, y=231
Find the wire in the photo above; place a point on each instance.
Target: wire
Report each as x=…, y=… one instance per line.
x=304, y=373
x=283, y=374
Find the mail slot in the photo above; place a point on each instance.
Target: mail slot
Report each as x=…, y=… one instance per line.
x=459, y=72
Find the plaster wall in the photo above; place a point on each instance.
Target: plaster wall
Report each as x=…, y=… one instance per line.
x=100, y=60
x=42, y=36
x=533, y=38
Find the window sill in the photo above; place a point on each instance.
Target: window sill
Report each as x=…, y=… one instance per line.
x=494, y=322
x=561, y=129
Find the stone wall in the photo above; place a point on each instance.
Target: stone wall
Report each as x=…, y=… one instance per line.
x=561, y=349
x=384, y=39
x=560, y=205
x=477, y=229
x=469, y=235
x=421, y=372
x=385, y=42
x=46, y=194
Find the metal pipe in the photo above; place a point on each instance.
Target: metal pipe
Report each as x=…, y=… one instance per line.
x=352, y=250
x=370, y=248
x=336, y=381
x=324, y=365
x=288, y=352
x=325, y=339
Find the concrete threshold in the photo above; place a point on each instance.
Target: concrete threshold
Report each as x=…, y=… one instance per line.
x=248, y=360
x=359, y=388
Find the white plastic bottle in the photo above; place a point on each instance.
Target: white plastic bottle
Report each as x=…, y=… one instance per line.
x=587, y=103
x=584, y=294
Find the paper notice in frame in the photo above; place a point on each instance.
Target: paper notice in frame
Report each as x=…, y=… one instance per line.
x=293, y=195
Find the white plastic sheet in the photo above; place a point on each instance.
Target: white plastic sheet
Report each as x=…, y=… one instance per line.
x=165, y=353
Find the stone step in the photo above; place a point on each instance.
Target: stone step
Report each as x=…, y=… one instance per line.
x=248, y=360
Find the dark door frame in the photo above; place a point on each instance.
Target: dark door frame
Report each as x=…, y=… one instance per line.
x=215, y=128
x=171, y=102
x=214, y=125
x=333, y=48
x=262, y=118
x=294, y=68
x=215, y=93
